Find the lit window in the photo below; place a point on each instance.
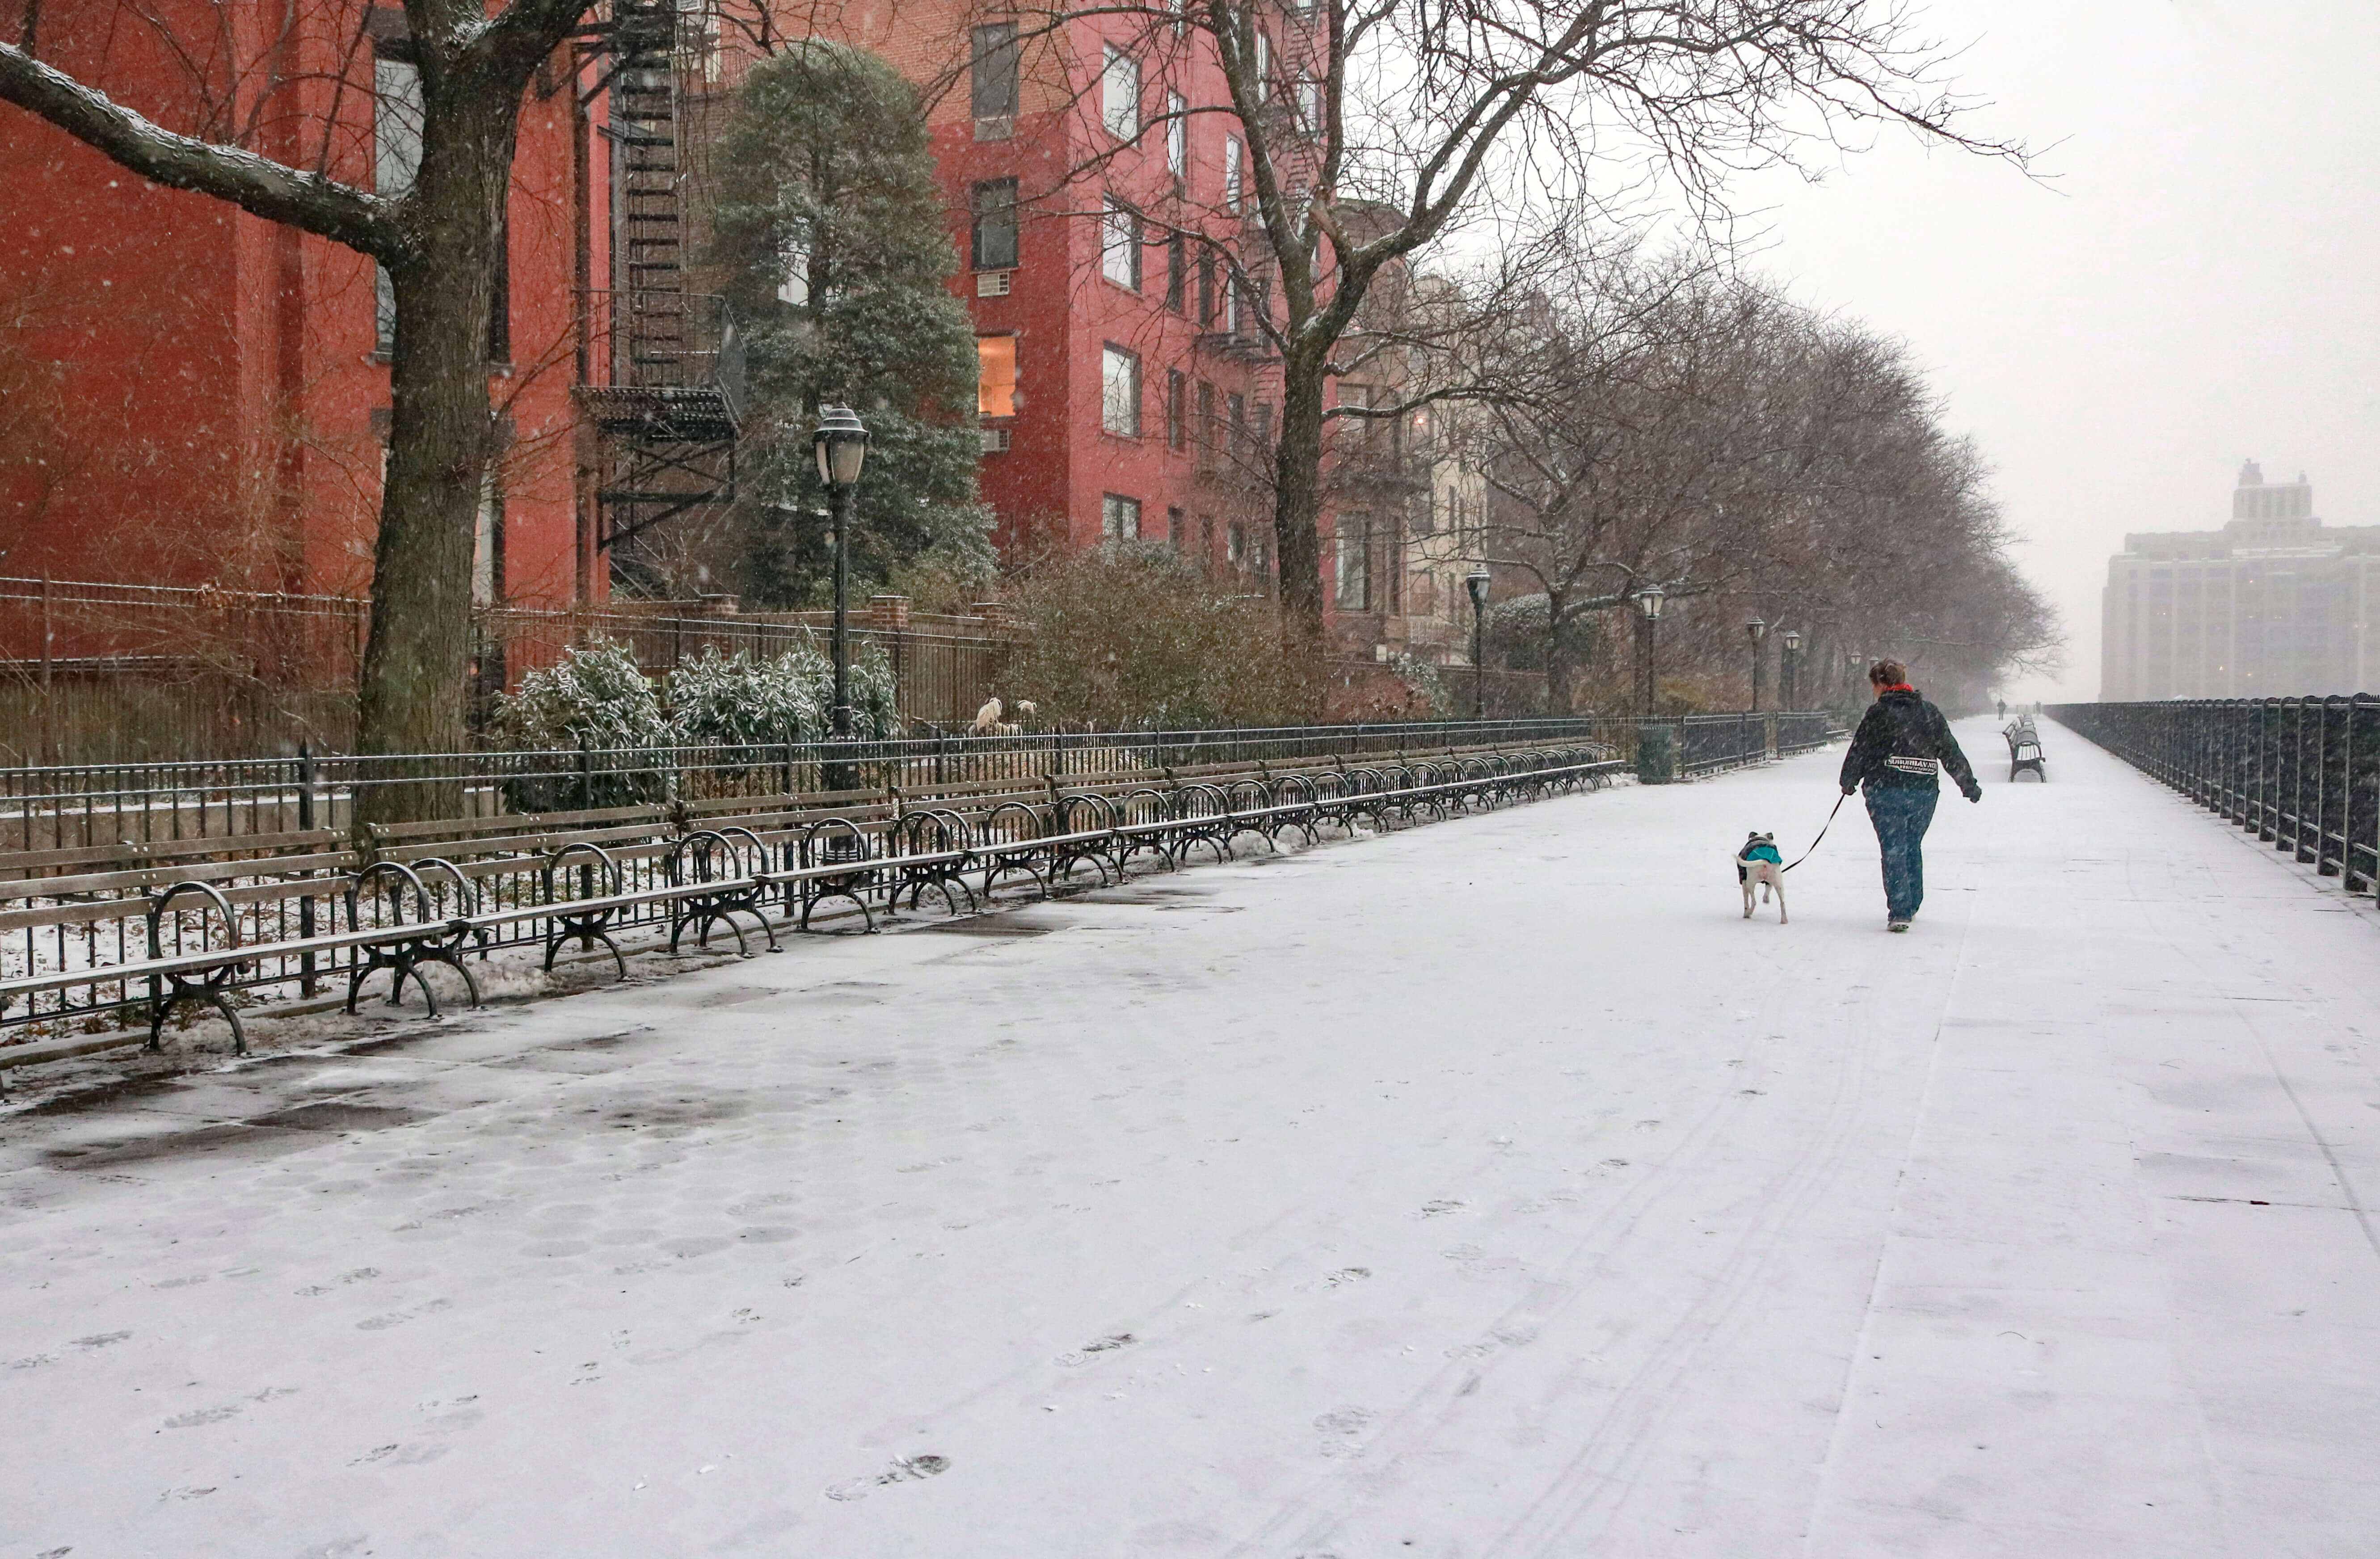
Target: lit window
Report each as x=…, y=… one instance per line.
x=1119, y=517
x=995, y=384
x=1120, y=94
x=1120, y=245
x=1119, y=391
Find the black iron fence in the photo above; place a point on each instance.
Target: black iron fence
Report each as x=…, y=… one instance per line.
x=2303, y=774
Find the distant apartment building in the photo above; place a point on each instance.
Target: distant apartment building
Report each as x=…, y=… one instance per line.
x=2275, y=604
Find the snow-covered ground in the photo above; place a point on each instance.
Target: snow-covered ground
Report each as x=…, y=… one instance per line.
x=1491, y=1189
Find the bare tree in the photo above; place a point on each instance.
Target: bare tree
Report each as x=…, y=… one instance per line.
x=1374, y=129
x=438, y=240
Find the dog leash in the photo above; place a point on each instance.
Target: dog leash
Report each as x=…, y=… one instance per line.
x=1822, y=832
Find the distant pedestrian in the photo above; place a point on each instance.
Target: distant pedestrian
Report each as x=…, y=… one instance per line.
x=1899, y=751
x=2004, y=709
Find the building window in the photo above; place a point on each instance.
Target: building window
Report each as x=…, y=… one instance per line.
x=993, y=87
x=1352, y=566
x=1232, y=173
x=1230, y=302
x=1177, y=135
x=397, y=157
x=1119, y=391
x=1120, y=94
x=1120, y=245
x=1177, y=265
x=995, y=384
x=1237, y=407
x=1177, y=391
x=1307, y=96
x=1236, y=544
x=1119, y=517
x=1206, y=422
x=1206, y=289
x=995, y=225
x=1176, y=532
x=1264, y=66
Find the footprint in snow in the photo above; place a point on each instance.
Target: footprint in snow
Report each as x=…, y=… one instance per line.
x=1105, y=1345
x=1440, y=1209
x=1342, y=1277
x=906, y=1469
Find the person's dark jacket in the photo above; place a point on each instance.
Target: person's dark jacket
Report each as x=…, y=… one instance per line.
x=1903, y=741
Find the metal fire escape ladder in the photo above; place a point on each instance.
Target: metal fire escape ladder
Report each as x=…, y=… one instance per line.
x=667, y=402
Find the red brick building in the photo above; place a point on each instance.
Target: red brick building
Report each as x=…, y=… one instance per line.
x=197, y=394
x=214, y=386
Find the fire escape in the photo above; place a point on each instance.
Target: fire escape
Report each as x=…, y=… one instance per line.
x=664, y=369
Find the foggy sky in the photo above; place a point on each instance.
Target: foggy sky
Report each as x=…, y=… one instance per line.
x=2196, y=285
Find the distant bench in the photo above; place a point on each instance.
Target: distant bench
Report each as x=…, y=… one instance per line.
x=2024, y=749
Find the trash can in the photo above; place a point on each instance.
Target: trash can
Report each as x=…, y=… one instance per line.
x=1656, y=754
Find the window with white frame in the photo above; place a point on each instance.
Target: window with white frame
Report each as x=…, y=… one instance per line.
x=1308, y=98
x=1119, y=517
x=396, y=158
x=1120, y=94
x=1353, y=564
x=1120, y=390
x=1232, y=155
x=1120, y=245
x=1177, y=135
x=1263, y=66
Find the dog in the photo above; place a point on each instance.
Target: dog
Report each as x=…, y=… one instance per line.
x=1757, y=864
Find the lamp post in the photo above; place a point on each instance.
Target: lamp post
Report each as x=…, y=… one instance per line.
x=1755, y=630
x=1791, y=642
x=1648, y=612
x=841, y=446
x=1477, y=583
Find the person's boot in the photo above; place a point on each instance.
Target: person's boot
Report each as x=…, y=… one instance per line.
x=1896, y=925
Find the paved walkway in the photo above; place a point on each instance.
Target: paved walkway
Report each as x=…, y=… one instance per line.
x=1491, y=1188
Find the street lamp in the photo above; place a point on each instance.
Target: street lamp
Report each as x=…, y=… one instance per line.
x=1791, y=639
x=841, y=446
x=1756, y=631
x=1648, y=612
x=1477, y=583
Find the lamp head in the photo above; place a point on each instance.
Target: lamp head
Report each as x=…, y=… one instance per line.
x=841, y=446
x=1792, y=637
x=1648, y=600
x=1476, y=583
x=1757, y=629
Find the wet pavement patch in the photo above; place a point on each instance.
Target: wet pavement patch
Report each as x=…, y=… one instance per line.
x=337, y=1115
x=984, y=925
x=248, y=1139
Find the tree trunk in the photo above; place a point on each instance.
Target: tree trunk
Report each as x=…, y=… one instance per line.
x=440, y=445
x=1557, y=659
x=1297, y=493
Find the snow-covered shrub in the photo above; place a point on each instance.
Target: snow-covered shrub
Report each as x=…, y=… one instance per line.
x=740, y=704
x=596, y=698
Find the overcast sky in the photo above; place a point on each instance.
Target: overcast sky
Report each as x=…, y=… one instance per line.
x=2195, y=287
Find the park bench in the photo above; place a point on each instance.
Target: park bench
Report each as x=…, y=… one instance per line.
x=444, y=892
x=2024, y=748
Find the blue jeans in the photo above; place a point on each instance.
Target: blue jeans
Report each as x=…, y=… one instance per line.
x=1901, y=814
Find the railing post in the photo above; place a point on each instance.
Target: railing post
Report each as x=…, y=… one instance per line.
x=305, y=983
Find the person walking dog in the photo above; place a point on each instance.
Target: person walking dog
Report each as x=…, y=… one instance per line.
x=1901, y=745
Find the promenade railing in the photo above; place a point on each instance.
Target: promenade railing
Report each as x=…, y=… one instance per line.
x=2303, y=774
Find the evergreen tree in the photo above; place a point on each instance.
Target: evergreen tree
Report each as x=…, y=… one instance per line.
x=833, y=232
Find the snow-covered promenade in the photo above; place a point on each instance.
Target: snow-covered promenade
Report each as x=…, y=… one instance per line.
x=1488, y=1189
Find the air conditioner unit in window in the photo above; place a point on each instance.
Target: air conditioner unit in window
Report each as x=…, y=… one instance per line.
x=995, y=440
x=992, y=284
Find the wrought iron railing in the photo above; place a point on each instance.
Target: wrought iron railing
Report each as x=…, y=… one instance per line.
x=2303, y=774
